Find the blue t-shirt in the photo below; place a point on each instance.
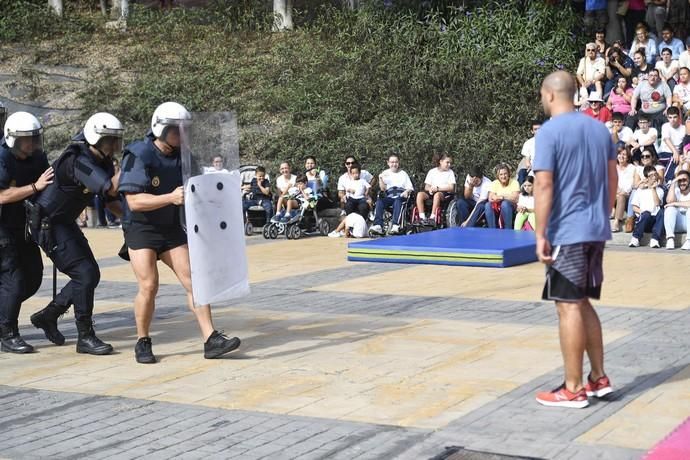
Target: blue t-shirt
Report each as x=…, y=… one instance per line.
x=593, y=5
x=577, y=149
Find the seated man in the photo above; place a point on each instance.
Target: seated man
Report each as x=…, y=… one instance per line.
x=676, y=213
x=470, y=206
x=644, y=136
x=258, y=193
x=671, y=149
x=646, y=203
x=503, y=197
x=655, y=96
x=591, y=72
x=396, y=185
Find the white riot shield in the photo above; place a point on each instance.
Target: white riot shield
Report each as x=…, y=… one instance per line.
x=213, y=208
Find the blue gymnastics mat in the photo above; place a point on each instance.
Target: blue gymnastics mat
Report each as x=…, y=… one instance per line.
x=479, y=247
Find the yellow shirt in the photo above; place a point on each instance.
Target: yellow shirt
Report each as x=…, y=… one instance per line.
x=498, y=189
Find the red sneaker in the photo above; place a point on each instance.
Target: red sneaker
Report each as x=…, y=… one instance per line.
x=600, y=388
x=561, y=397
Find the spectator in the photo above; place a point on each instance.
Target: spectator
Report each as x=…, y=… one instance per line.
x=597, y=109
x=317, y=179
x=676, y=213
x=596, y=15
x=439, y=185
x=356, y=191
x=620, y=132
x=617, y=65
x=684, y=60
x=656, y=15
x=591, y=71
x=525, y=206
x=284, y=182
x=681, y=92
x=626, y=175
x=678, y=16
x=300, y=197
x=217, y=166
x=600, y=42
x=641, y=69
x=258, y=193
x=395, y=186
x=353, y=225
x=620, y=97
x=644, y=42
x=655, y=97
x=648, y=158
x=644, y=136
x=528, y=152
x=669, y=41
x=647, y=206
x=470, y=206
x=345, y=177
x=668, y=69
x=637, y=9
x=672, y=136
x=503, y=197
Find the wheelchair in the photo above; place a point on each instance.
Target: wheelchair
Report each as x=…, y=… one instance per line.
x=403, y=220
x=446, y=217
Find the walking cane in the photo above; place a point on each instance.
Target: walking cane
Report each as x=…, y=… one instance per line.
x=54, y=281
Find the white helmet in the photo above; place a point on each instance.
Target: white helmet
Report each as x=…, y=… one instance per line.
x=101, y=125
x=21, y=124
x=169, y=114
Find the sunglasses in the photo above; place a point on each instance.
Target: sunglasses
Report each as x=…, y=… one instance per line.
x=646, y=156
x=590, y=49
x=349, y=163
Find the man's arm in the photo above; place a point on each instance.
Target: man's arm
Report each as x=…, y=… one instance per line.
x=543, y=202
x=14, y=194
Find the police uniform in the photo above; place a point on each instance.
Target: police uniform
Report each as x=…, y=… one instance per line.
x=21, y=267
x=145, y=169
x=79, y=175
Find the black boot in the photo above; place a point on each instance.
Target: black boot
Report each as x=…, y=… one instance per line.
x=12, y=342
x=218, y=344
x=47, y=319
x=143, y=352
x=88, y=342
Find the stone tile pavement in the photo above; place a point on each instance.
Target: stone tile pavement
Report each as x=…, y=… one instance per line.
x=354, y=360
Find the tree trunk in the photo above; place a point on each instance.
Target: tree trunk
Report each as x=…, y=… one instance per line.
x=282, y=11
x=120, y=10
x=104, y=7
x=56, y=5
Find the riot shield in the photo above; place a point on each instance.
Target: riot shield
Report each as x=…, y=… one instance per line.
x=213, y=208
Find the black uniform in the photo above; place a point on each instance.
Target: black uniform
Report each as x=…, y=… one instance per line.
x=79, y=174
x=145, y=169
x=21, y=267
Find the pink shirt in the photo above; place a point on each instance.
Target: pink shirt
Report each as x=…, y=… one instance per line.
x=618, y=103
x=636, y=5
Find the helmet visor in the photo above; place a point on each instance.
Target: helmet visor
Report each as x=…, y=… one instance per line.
x=28, y=145
x=114, y=132
x=174, y=121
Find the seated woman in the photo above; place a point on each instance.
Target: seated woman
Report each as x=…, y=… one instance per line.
x=648, y=157
x=317, y=179
x=525, y=206
x=395, y=186
x=439, y=185
x=284, y=182
x=626, y=176
x=503, y=198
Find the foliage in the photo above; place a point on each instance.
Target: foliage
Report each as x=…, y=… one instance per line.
x=22, y=20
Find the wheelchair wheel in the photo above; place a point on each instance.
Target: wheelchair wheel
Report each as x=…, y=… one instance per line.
x=323, y=226
x=452, y=215
x=296, y=232
x=273, y=232
x=248, y=228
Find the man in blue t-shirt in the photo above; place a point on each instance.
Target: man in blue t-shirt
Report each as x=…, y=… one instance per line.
x=576, y=183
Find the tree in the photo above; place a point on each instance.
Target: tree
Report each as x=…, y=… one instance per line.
x=56, y=5
x=282, y=10
x=120, y=9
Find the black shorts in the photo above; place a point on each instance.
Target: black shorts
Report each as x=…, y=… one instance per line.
x=147, y=236
x=576, y=273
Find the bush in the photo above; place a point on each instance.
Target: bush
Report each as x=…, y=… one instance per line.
x=22, y=20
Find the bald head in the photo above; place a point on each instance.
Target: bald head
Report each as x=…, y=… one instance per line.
x=557, y=92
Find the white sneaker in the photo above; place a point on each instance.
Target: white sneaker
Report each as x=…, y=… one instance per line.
x=371, y=216
x=654, y=243
x=335, y=234
x=634, y=242
x=686, y=246
x=395, y=229
x=670, y=243
x=343, y=213
x=376, y=229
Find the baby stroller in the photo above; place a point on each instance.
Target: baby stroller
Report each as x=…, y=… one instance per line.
x=255, y=216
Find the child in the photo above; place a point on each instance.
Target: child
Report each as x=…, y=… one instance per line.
x=642, y=137
x=353, y=225
x=300, y=194
x=647, y=204
x=356, y=190
x=525, y=206
x=258, y=193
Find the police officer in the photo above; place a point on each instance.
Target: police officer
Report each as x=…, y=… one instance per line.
x=3, y=114
x=152, y=186
x=85, y=168
x=24, y=171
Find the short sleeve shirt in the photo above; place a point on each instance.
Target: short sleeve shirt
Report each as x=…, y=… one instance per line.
x=437, y=178
x=479, y=193
x=577, y=150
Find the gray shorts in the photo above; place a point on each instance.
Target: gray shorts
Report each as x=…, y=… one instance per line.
x=576, y=273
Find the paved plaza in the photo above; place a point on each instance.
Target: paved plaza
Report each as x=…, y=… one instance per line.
x=352, y=360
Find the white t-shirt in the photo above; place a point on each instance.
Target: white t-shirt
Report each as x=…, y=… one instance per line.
x=646, y=138
x=528, y=149
x=398, y=179
x=624, y=135
x=283, y=183
x=625, y=178
x=681, y=197
x=437, y=178
x=363, y=174
x=356, y=189
x=676, y=135
x=587, y=68
x=667, y=72
x=644, y=200
x=639, y=169
x=480, y=193
x=212, y=170
x=683, y=92
x=356, y=224
x=526, y=201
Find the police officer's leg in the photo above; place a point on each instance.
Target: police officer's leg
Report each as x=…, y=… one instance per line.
x=32, y=268
x=11, y=286
x=144, y=265
x=74, y=258
x=216, y=344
